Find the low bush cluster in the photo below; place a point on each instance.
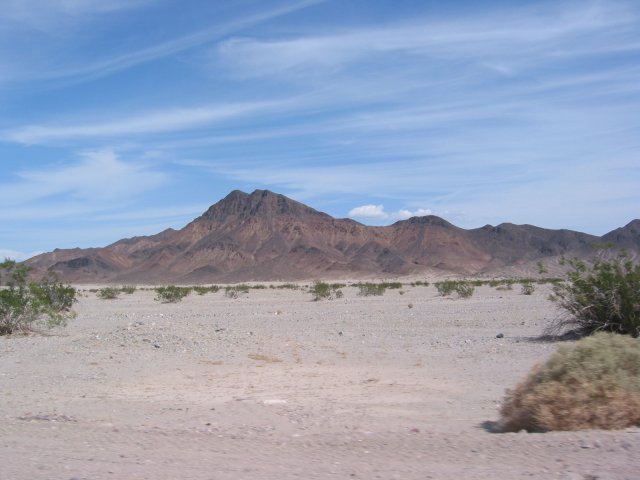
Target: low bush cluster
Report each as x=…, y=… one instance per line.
x=602, y=296
x=321, y=290
x=367, y=289
x=25, y=304
x=462, y=288
x=527, y=288
x=233, y=291
x=108, y=293
x=592, y=384
x=203, y=289
x=171, y=293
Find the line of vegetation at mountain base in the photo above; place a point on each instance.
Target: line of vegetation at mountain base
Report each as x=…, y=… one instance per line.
x=366, y=289
x=128, y=289
x=26, y=305
x=108, y=293
x=322, y=290
x=171, y=293
x=462, y=288
x=203, y=289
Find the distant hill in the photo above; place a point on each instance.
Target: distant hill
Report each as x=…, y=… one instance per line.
x=266, y=236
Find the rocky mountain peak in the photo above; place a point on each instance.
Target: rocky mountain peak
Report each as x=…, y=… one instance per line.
x=262, y=203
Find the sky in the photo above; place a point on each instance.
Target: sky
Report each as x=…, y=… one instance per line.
x=127, y=117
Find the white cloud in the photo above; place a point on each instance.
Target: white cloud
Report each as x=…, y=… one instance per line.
x=378, y=212
x=368, y=211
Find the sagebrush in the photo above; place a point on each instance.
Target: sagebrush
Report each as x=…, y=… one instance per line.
x=171, y=293
x=25, y=304
x=462, y=288
x=604, y=295
x=321, y=290
x=592, y=384
x=108, y=293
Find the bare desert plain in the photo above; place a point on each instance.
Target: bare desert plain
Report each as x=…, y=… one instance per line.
x=272, y=385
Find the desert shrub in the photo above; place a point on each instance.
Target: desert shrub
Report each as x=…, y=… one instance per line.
x=128, y=289
x=461, y=288
x=592, y=384
x=527, y=288
x=419, y=283
x=367, y=289
x=234, y=291
x=602, y=296
x=25, y=305
x=171, y=293
x=464, y=290
x=322, y=290
x=203, y=290
x=445, y=287
x=108, y=293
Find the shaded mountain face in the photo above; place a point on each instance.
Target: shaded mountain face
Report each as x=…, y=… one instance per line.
x=267, y=236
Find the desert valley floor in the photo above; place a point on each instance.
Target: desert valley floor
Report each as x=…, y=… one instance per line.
x=273, y=385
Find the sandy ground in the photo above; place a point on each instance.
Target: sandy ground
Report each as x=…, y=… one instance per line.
x=274, y=386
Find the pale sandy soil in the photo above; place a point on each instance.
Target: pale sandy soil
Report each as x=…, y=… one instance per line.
x=267, y=387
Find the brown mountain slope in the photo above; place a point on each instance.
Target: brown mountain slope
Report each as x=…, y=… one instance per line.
x=266, y=236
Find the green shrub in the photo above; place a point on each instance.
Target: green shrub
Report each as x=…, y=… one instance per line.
x=602, y=296
x=366, y=289
x=322, y=290
x=230, y=293
x=592, y=384
x=461, y=288
x=203, y=290
x=128, y=289
x=233, y=291
x=527, y=288
x=171, y=293
x=108, y=293
x=25, y=305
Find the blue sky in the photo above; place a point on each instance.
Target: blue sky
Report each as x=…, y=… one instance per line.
x=126, y=117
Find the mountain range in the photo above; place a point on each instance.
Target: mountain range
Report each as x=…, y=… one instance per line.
x=267, y=236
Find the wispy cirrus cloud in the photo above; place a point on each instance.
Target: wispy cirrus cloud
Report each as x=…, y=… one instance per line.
x=138, y=124
x=100, y=177
x=504, y=42
x=48, y=16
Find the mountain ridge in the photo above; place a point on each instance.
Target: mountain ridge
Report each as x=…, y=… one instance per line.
x=268, y=236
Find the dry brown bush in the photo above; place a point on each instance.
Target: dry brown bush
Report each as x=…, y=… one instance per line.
x=593, y=384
